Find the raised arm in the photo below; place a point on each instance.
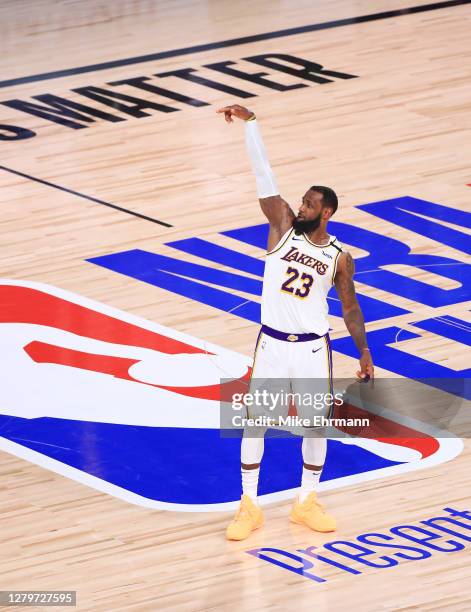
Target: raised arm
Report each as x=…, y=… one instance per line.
x=275, y=208
x=352, y=314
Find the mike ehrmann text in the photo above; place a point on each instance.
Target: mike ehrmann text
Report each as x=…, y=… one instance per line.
x=317, y=420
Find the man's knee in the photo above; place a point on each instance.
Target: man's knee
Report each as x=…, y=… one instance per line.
x=254, y=432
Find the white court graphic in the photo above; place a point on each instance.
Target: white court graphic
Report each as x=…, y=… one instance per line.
x=59, y=370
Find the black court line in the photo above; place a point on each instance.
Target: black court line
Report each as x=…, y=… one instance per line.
x=57, y=74
x=84, y=196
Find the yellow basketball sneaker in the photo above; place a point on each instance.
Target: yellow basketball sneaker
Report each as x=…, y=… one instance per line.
x=312, y=514
x=248, y=517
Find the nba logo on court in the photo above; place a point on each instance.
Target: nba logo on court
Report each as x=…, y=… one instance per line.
x=131, y=408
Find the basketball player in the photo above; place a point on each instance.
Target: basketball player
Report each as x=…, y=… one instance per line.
x=302, y=263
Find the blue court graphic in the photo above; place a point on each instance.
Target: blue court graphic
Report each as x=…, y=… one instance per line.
x=176, y=465
x=208, y=284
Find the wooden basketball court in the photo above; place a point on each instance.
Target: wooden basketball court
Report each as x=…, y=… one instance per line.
x=131, y=251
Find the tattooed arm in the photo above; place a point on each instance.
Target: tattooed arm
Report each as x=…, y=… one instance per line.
x=351, y=311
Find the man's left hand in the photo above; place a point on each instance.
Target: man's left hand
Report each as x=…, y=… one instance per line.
x=367, y=371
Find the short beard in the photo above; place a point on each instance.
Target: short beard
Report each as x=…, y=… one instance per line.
x=304, y=227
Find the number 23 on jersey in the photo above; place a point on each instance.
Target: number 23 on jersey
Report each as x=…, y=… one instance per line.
x=299, y=288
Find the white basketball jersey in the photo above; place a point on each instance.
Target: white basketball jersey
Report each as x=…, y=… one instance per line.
x=298, y=277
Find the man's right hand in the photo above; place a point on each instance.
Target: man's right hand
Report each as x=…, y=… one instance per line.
x=235, y=110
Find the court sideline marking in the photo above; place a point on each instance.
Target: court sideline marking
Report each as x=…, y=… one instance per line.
x=84, y=196
x=232, y=42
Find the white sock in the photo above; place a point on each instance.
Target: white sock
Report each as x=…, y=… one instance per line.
x=251, y=450
x=314, y=451
x=251, y=453
x=250, y=483
x=309, y=481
